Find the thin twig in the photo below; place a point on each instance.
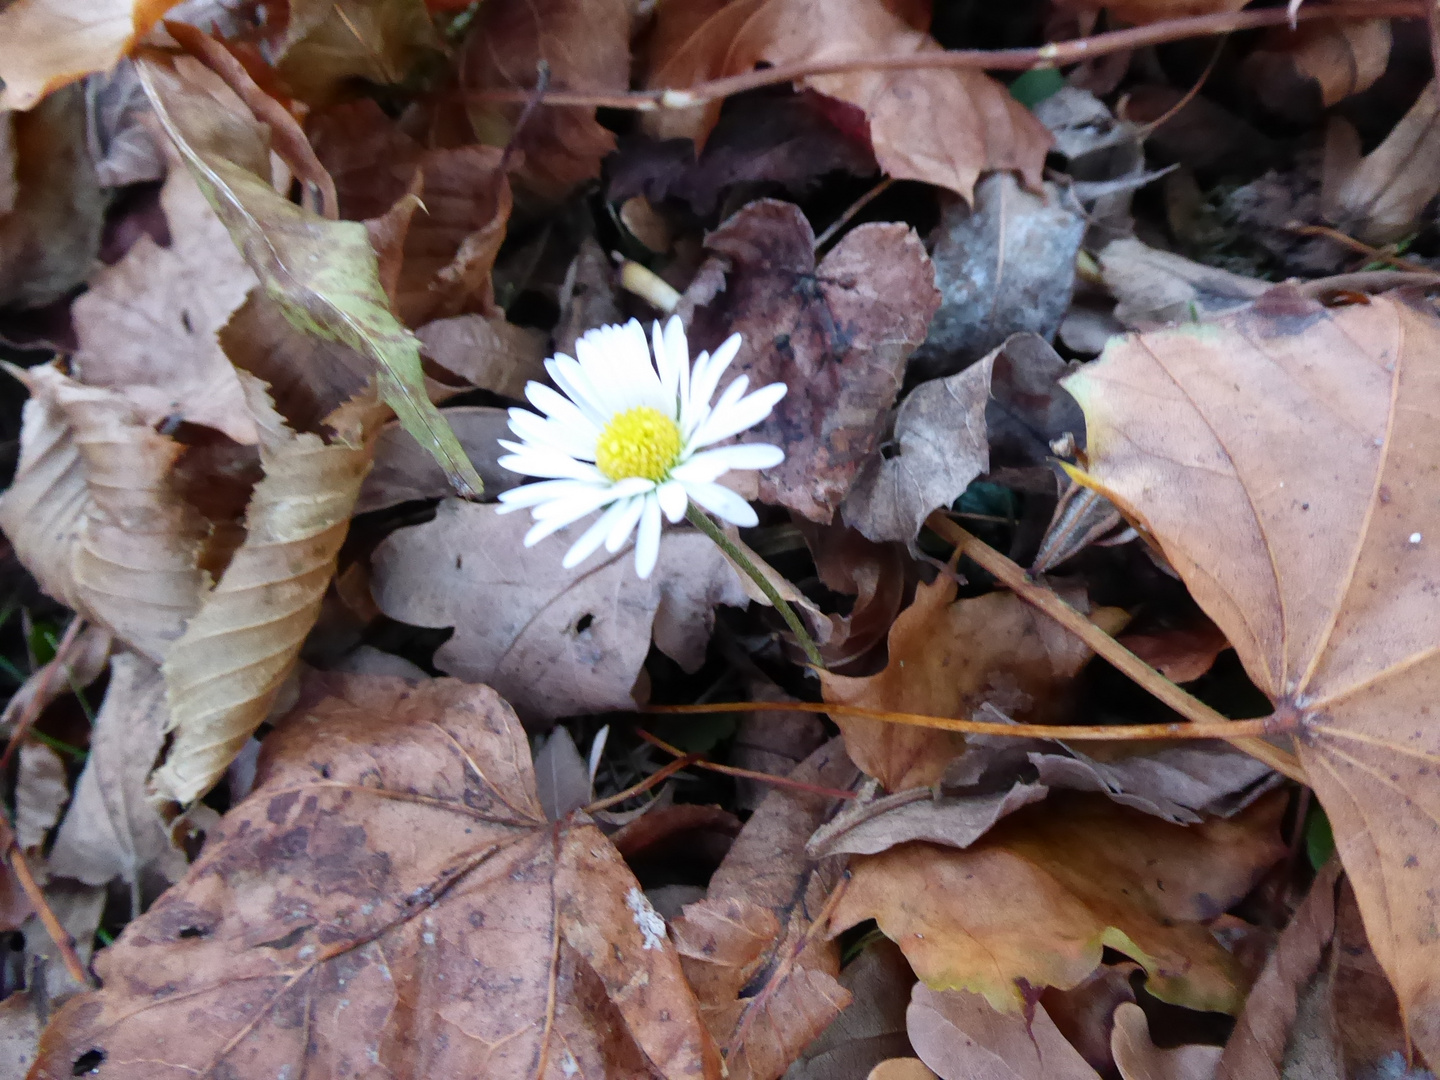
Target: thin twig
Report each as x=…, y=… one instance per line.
x=58, y=934
x=850, y=211
x=1357, y=246
x=749, y=774
x=1144, y=131
x=1054, y=54
x=1193, y=709
x=37, y=701
x=663, y=773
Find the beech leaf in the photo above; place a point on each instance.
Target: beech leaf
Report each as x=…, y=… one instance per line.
x=316, y=935
x=1317, y=561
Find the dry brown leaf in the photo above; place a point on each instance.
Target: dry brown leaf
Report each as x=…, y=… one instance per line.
x=45, y=44
x=1182, y=653
x=762, y=971
x=938, y=446
x=50, y=237
x=1051, y=886
x=866, y=828
x=1316, y=561
x=961, y=1037
x=147, y=326
x=94, y=515
x=1138, y=1058
x=222, y=674
x=841, y=330
x=1154, y=288
x=1379, y=197
x=1148, y=11
x=1317, y=64
x=941, y=127
x=1084, y=1013
x=41, y=790
x=949, y=658
x=404, y=471
x=20, y=1027
x=556, y=642
x=562, y=780
x=872, y=1028
x=901, y=1069
x=315, y=934
x=111, y=830
x=329, y=44
x=489, y=353
x=586, y=47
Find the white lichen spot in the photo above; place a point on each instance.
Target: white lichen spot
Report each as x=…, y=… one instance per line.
x=651, y=925
x=568, y=1065
x=428, y=937
x=1414, y=538
x=306, y=952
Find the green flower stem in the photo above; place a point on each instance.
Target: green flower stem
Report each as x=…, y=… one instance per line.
x=701, y=521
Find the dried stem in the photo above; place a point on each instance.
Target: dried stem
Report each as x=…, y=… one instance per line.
x=58, y=934
x=1194, y=710
x=32, y=709
x=748, y=774
x=662, y=773
x=1054, y=54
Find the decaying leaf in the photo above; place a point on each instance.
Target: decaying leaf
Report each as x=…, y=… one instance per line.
x=942, y=127
x=872, y=1028
x=949, y=658
x=1156, y=288
x=1052, y=885
x=939, y=445
x=763, y=971
x=489, y=353
x=841, y=330
x=329, y=43
x=404, y=471
x=322, y=273
x=1298, y=72
x=558, y=642
x=315, y=933
x=45, y=44
x=20, y=1027
x=959, y=1036
x=41, y=791
x=865, y=828
x=1315, y=560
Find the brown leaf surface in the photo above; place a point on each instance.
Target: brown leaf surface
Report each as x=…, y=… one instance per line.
x=45, y=44
x=487, y=352
x=1138, y=1058
x=1148, y=11
x=329, y=43
x=872, y=1028
x=841, y=330
x=1317, y=563
x=557, y=642
x=20, y=1028
x=907, y=1068
x=586, y=45
x=41, y=791
x=961, y=1037
x=941, y=127
x=949, y=658
x=315, y=934
x=1050, y=886
x=404, y=471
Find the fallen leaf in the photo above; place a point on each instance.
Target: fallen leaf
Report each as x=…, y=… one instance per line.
x=588, y=298
x=867, y=828
x=404, y=471
x=1004, y=267
x=1085, y=1012
x=1154, y=288
x=939, y=445
x=1051, y=886
x=901, y=1069
x=872, y=1027
x=1148, y=11
x=20, y=1027
x=77, y=908
x=1378, y=198
x=41, y=791
x=124, y=147
x=529, y=943
x=982, y=127
x=771, y=742
x=51, y=235
x=841, y=330
x=762, y=971
x=329, y=43
x=949, y=658
x=562, y=780
x=111, y=829
x=45, y=44
x=323, y=274
x=1138, y=1058
x=558, y=642
x=488, y=353
x=1315, y=565
x=877, y=575
x=1183, y=653
x=585, y=45
x=1298, y=73
x=1028, y=408
x=961, y=1037
x=147, y=326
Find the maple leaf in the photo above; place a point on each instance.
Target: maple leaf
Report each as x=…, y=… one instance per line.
x=391, y=900
x=1284, y=460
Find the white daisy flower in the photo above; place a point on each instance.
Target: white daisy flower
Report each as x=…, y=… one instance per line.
x=628, y=436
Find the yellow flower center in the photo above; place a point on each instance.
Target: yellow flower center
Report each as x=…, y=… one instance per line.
x=638, y=442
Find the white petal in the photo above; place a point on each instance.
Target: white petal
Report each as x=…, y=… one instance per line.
x=550, y=464
x=583, y=548
x=669, y=363
x=539, y=432
x=672, y=500
x=708, y=465
x=545, y=491
x=679, y=350
x=740, y=416
x=616, y=361
x=570, y=511
x=647, y=546
x=625, y=525
x=723, y=503
x=703, y=383
x=560, y=409
x=570, y=377
x=623, y=490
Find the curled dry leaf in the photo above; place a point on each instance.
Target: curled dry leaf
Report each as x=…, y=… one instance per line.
x=949, y=658
x=907, y=1068
x=1317, y=563
x=840, y=331
x=1153, y=288
x=1317, y=64
x=941, y=127
x=961, y=1037
x=41, y=791
x=557, y=642
x=1138, y=1058
x=404, y=471
x=1051, y=886
x=1181, y=653
x=323, y=274
x=939, y=445
x=866, y=828
x=489, y=353
x=585, y=45
x=314, y=933
x=872, y=1027
x=762, y=969
x=45, y=44
x=111, y=829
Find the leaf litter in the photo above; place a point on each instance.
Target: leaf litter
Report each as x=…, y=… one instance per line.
x=275, y=280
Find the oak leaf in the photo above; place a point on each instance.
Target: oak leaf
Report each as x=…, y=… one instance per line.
x=941, y=127
x=1317, y=560
x=315, y=934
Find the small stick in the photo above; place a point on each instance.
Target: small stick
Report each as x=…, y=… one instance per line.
x=31, y=712
x=1193, y=709
x=663, y=773
x=853, y=209
x=1373, y=254
x=1052, y=55
x=58, y=934
x=749, y=774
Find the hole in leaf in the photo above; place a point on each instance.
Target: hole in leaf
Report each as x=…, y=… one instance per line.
x=585, y=622
x=889, y=450
x=87, y=1062
x=193, y=932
